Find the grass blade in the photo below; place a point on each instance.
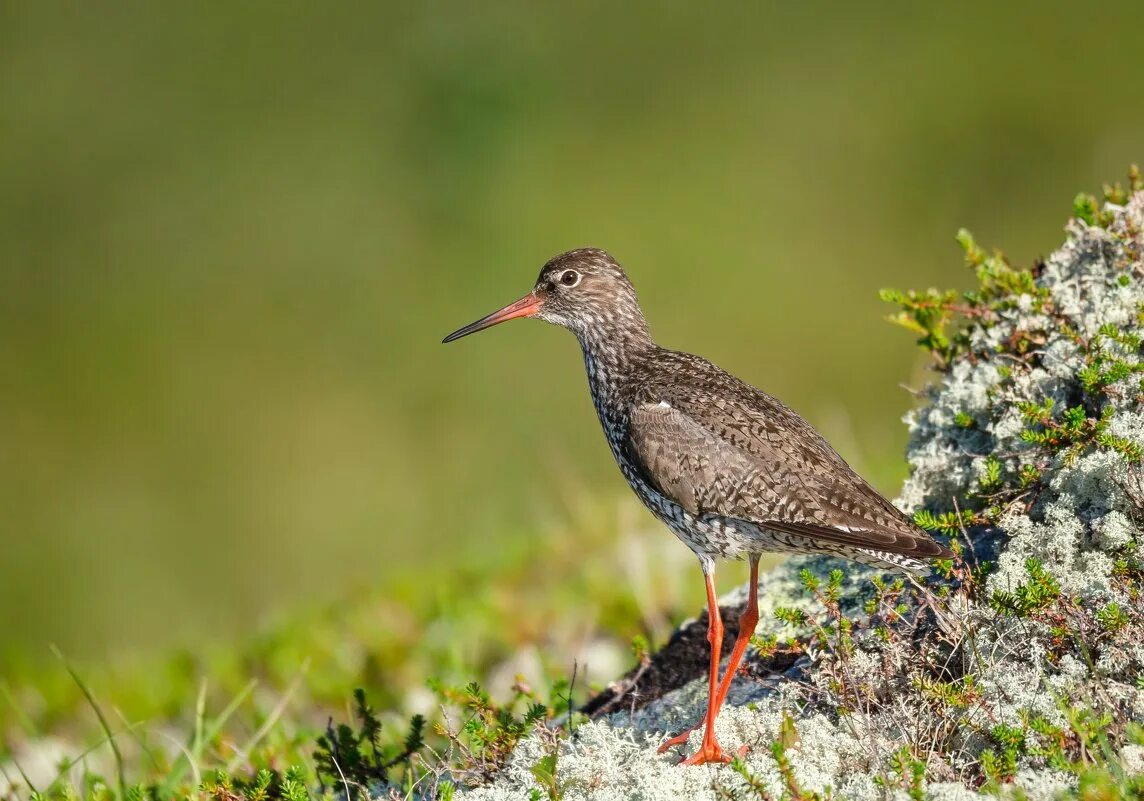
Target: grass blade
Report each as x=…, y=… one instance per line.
x=83, y=688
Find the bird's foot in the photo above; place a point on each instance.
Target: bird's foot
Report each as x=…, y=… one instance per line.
x=711, y=751
x=679, y=739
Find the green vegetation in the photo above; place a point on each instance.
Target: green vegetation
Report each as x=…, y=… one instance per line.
x=230, y=243
x=1057, y=431
x=1093, y=728
x=262, y=707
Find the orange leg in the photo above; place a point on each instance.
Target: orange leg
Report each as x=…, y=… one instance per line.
x=747, y=622
x=710, y=751
x=715, y=641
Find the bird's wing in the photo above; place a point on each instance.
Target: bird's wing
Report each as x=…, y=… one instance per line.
x=761, y=463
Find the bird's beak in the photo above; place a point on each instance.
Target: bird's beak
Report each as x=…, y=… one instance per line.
x=527, y=306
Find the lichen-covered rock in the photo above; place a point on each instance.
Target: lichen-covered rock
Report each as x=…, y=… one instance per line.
x=1021, y=673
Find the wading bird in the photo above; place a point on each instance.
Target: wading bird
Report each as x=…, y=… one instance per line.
x=730, y=470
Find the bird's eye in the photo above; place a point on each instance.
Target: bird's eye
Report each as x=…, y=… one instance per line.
x=570, y=278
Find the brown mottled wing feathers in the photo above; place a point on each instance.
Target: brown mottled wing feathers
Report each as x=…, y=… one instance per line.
x=737, y=453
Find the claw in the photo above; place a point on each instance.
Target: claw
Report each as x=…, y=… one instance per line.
x=679, y=739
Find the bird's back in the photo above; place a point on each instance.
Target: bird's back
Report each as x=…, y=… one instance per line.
x=732, y=456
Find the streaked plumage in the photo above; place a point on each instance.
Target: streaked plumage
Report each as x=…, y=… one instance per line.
x=730, y=470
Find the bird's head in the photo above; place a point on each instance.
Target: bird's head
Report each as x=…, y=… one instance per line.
x=584, y=290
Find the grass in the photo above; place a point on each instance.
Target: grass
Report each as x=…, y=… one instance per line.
x=217, y=719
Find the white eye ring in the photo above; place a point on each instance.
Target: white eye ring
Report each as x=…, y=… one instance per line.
x=570, y=278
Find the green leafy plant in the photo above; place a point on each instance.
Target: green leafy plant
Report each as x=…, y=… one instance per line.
x=357, y=759
x=904, y=771
x=491, y=730
x=1040, y=592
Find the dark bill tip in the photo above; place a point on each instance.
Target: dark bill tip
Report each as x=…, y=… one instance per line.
x=527, y=306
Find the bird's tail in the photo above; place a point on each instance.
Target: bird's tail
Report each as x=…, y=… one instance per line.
x=899, y=563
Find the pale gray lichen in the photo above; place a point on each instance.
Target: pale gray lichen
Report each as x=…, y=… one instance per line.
x=1082, y=510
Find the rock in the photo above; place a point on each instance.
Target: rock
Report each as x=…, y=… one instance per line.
x=979, y=683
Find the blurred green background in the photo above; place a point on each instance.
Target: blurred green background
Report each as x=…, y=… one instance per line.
x=232, y=236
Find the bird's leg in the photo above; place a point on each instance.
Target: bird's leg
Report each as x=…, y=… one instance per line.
x=710, y=750
x=715, y=641
x=747, y=622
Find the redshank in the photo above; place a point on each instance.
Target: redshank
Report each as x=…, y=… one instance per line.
x=730, y=470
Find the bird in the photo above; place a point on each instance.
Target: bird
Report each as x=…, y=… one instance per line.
x=731, y=471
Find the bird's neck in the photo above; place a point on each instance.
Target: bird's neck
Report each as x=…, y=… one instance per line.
x=611, y=357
